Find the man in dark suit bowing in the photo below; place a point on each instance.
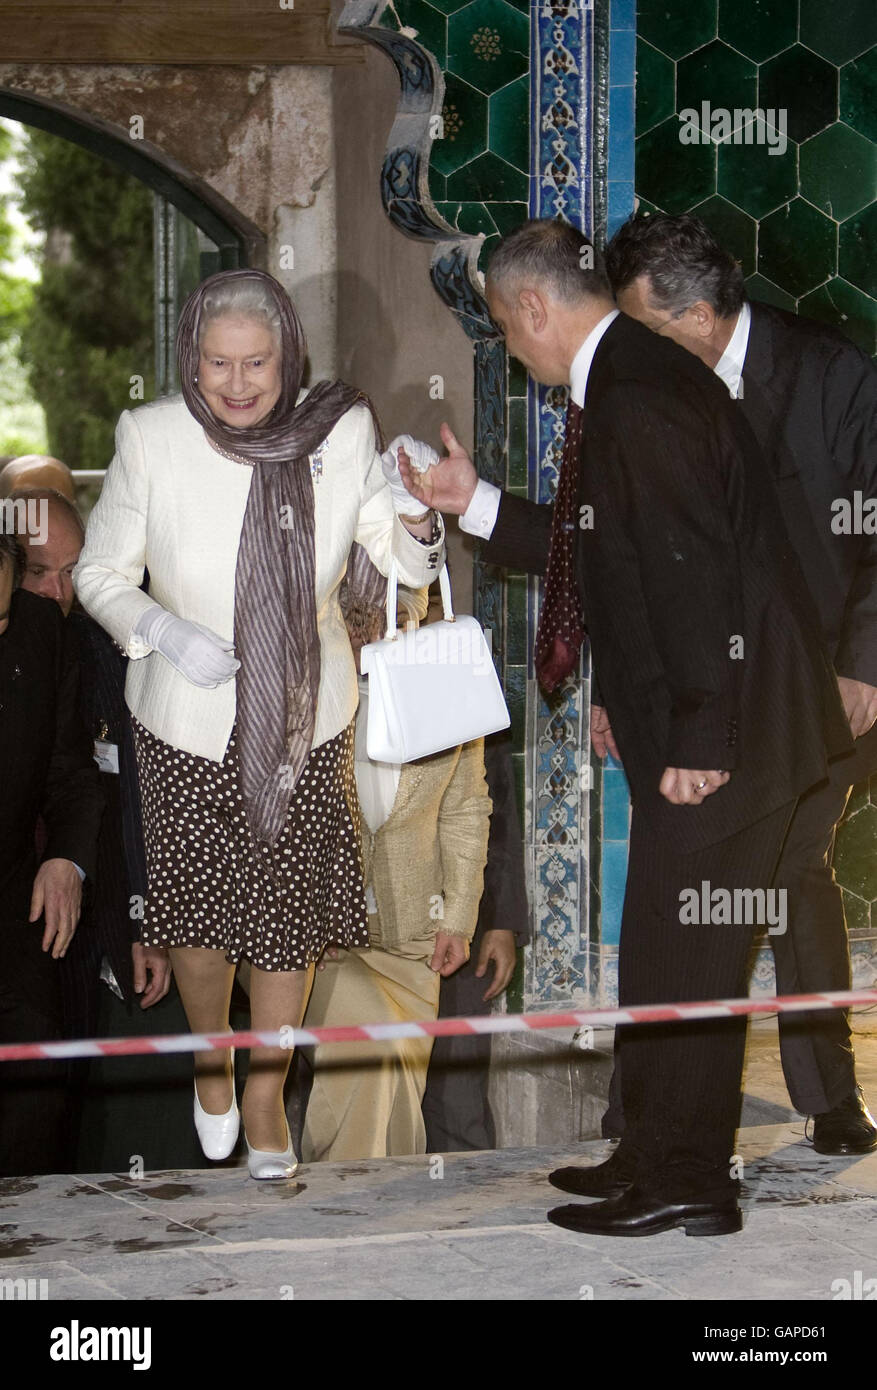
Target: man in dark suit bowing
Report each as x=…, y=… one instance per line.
x=665, y=544
x=48, y=772
x=810, y=396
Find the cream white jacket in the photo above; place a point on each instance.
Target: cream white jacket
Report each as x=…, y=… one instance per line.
x=174, y=506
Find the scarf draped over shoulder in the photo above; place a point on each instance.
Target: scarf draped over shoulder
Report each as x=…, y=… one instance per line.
x=275, y=622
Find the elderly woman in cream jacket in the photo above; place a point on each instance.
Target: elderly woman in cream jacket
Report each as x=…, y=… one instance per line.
x=243, y=499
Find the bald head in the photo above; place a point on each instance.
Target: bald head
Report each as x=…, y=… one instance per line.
x=37, y=471
x=50, y=530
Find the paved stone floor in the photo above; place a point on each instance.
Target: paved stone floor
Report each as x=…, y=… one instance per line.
x=468, y=1226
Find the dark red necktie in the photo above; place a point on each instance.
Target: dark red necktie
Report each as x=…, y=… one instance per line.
x=561, y=628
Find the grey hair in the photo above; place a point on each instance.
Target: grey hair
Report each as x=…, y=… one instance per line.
x=243, y=299
x=551, y=253
x=682, y=261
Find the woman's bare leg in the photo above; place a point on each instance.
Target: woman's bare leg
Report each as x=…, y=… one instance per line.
x=204, y=979
x=277, y=1000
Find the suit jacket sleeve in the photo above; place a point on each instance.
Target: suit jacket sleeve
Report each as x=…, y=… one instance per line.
x=379, y=530
x=463, y=830
x=665, y=468
x=73, y=801
x=521, y=536
x=850, y=415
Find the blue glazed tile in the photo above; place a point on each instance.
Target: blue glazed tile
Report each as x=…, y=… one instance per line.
x=620, y=205
x=623, y=14
x=621, y=133
x=622, y=57
x=616, y=804
x=613, y=881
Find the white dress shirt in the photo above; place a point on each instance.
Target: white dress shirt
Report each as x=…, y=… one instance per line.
x=479, y=517
x=730, y=365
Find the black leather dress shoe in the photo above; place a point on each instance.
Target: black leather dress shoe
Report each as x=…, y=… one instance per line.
x=639, y=1214
x=609, y=1179
x=847, y=1129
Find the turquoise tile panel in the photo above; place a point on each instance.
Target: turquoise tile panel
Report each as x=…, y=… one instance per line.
x=488, y=44
x=797, y=247
x=508, y=125
x=838, y=32
x=842, y=305
x=613, y=880
x=858, y=94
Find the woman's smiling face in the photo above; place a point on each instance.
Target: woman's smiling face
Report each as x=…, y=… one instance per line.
x=239, y=370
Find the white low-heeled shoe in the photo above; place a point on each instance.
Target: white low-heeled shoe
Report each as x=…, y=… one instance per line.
x=263, y=1163
x=218, y=1134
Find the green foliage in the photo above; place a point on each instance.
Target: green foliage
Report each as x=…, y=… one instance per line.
x=15, y=293
x=88, y=328
x=22, y=425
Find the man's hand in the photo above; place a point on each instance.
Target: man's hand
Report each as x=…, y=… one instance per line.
x=686, y=786
x=602, y=740
x=497, y=945
x=860, y=704
x=152, y=961
x=448, y=485
x=57, y=891
x=450, y=953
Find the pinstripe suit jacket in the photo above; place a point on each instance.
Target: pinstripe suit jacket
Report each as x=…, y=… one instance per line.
x=704, y=636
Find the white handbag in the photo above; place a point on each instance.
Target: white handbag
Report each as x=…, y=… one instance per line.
x=432, y=687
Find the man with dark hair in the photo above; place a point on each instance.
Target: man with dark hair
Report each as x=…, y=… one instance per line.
x=666, y=543
x=48, y=772
x=810, y=397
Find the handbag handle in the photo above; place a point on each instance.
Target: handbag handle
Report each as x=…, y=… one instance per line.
x=392, y=590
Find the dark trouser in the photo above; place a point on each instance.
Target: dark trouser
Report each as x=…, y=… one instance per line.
x=139, y=1108
x=813, y=954
x=455, y=1107
x=33, y=1098
x=680, y=1083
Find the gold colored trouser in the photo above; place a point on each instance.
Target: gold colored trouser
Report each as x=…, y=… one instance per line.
x=365, y=1101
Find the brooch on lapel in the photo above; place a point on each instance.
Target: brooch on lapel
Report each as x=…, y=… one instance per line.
x=317, y=460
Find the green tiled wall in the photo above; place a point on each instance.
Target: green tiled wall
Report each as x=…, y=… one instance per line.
x=479, y=169
x=803, y=222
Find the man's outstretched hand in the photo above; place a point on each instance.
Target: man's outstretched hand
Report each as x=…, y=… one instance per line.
x=449, y=484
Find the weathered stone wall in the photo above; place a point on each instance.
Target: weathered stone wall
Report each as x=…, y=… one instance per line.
x=395, y=335
x=261, y=137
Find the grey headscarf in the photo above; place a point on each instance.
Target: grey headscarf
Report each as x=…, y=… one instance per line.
x=275, y=620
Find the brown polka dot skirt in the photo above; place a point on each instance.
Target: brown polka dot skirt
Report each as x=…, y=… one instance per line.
x=211, y=884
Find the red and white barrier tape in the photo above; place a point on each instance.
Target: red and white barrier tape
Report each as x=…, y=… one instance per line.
x=435, y=1027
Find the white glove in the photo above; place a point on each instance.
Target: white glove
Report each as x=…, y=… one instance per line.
x=422, y=456
x=197, y=653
